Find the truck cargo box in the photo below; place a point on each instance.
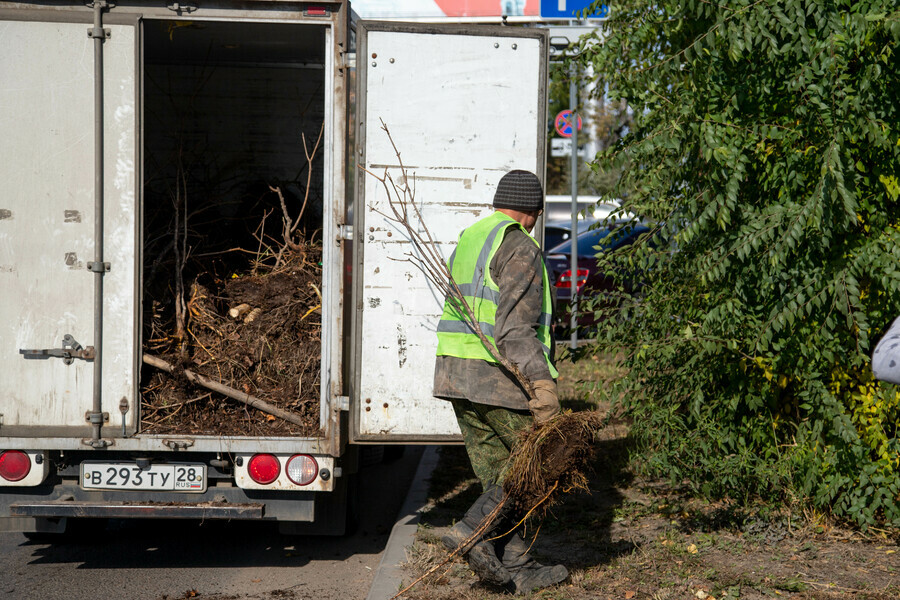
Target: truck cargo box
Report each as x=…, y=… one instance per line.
x=185, y=206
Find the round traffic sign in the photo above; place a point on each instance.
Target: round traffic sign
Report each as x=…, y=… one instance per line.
x=563, y=123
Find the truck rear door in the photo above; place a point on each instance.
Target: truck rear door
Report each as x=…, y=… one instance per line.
x=464, y=105
x=47, y=222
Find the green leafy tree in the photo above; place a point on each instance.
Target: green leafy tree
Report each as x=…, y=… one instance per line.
x=765, y=152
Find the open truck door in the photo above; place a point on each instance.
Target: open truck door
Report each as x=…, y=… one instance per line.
x=464, y=105
x=48, y=299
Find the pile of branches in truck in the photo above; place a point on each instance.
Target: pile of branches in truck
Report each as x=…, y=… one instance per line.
x=232, y=324
x=260, y=336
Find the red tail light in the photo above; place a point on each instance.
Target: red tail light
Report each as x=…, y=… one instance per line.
x=264, y=468
x=565, y=278
x=14, y=465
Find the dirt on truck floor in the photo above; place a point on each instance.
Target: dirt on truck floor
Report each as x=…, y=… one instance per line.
x=630, y=538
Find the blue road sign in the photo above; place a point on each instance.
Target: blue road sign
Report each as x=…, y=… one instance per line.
x=565, y=9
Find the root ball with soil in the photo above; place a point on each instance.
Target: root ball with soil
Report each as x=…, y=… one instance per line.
x=550, y=460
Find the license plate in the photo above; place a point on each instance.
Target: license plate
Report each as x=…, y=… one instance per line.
x=129, y=476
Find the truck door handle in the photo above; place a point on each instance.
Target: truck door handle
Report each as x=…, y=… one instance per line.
x=69, y=352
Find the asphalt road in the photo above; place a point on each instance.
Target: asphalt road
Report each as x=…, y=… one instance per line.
x=156, y=560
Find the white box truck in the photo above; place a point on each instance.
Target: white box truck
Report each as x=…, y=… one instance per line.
x=95, y=98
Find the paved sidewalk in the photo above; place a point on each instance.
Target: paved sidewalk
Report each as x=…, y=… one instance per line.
x=389, y=575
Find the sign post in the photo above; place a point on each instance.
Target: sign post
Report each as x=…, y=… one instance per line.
x=568, y=122
x=573, y=255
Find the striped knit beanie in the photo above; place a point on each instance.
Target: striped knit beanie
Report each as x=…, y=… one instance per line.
x=519, y=190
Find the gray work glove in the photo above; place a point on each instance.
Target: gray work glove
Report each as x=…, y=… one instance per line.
x=546, y=404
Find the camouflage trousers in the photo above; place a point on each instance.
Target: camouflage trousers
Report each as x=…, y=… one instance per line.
x=489, y=433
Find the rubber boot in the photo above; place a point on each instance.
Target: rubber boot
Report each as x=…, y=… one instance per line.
x=528, y=574
x=479, y=552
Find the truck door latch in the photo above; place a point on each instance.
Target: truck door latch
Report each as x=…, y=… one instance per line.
x=69, y=352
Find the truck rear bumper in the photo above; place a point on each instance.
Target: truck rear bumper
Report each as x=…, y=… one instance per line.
x=125, y=510
x=43, y=507
x=217, y=502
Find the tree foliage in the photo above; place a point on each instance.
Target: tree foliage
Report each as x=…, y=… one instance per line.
x=765, y=151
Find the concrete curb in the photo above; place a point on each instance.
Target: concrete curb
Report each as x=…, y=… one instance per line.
x=389, y=575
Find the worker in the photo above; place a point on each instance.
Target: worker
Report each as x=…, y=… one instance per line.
x=500, y=271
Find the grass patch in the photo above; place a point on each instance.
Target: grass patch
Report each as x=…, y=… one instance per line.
x=581, y=382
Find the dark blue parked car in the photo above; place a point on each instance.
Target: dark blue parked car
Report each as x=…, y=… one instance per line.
x=590, y=280
x=557, y=232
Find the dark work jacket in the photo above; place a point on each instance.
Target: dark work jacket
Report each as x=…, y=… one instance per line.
x=516, y=268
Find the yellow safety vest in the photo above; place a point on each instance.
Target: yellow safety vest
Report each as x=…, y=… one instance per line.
x=470, y=266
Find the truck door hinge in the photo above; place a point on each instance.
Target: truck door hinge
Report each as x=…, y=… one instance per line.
x=345, y=232
x=343, y=403
x=69, y=352
x=348, y=60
